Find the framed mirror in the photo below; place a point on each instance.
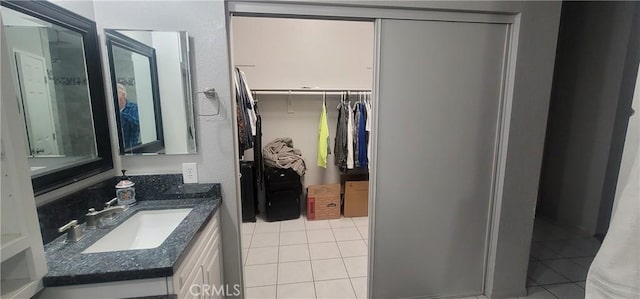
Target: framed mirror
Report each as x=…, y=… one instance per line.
x=58, y=78
x=150, y=75
x=136, y=96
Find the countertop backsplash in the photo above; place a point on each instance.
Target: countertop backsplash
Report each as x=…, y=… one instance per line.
x=148, y=187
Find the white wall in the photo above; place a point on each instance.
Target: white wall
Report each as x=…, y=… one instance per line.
x=302, y=127
x=83, y=8
x=217, y=158
x=297, y=53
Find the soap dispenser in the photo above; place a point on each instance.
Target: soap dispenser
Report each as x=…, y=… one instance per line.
x=126, y=191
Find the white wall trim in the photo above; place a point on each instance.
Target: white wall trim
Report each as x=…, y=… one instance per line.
x=362, y=12
x=502, y=145
x=373, y=175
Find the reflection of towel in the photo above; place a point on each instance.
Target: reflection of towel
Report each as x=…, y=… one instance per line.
x=615, y=272
x=323, y=138
x=280, y=153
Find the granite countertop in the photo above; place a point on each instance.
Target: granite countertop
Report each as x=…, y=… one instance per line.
x=68, y=266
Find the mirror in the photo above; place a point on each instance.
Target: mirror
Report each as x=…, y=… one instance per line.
x=53, y=54
x=150, y=74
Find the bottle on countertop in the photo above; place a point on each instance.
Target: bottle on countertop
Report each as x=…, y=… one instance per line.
x=126, y=191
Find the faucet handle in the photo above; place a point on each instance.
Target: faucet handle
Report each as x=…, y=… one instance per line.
x=71, y=224
x=92, y=210
x=109, y=203
x=74, y=232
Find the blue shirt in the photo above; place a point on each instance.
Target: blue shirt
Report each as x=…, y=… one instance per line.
x=130, y=124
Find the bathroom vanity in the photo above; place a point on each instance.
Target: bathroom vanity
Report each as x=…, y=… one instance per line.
x=159, y=247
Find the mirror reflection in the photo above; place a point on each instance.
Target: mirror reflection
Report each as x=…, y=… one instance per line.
x=51, y=79
x=133, y=67
x=152, y=88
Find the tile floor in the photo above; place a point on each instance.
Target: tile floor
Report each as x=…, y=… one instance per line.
x=306, y=259
x=559, y=261
x=328, y=259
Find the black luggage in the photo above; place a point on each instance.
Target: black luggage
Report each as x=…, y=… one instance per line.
x=283, y=189
x=248, y=191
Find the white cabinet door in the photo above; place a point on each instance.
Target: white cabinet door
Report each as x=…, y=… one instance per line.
x=199, y=274
x=212, y=274
x=195, y=283
x=439, y=99
x=296, y=53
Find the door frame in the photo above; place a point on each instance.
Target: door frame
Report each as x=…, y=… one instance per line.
x=375, y=14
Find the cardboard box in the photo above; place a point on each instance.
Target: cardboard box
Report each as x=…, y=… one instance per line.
x=323, y=202
x=356, y=199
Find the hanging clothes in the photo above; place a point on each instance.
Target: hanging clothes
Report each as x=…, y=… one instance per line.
x=367, y=106
x=350, y=137
x=244, y=129
x=356, y=139
x=323, y=137
x=340, y=142
x=249, y=101
x=362, y=137
x=246, y=112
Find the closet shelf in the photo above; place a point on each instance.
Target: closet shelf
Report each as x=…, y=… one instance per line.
x=12, y=244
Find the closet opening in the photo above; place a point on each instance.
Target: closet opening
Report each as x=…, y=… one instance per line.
x=304, y=111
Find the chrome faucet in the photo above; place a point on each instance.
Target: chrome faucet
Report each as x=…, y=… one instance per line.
x=93, y=217
x=74, y=231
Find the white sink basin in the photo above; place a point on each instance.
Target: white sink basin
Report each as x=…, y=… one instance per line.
x=144, y=230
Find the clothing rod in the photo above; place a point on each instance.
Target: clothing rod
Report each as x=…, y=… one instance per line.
x=308, y=91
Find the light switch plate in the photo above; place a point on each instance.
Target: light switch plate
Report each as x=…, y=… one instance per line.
x=189, y=173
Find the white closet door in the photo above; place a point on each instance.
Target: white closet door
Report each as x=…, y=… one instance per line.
x=440, y=92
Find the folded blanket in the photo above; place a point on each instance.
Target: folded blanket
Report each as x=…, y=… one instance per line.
x=280, y=153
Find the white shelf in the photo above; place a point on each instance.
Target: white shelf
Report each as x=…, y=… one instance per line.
x=12, y=244
x=18, y=288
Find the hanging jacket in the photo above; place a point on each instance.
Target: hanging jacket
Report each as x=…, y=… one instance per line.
x=362, y=137
x=243, y=135
x=340, y=142
x=356, y=135
x=249, y=103
x=323, y=137
x=367, y=105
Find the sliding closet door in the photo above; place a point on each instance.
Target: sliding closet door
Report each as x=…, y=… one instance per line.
x=439, y=100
